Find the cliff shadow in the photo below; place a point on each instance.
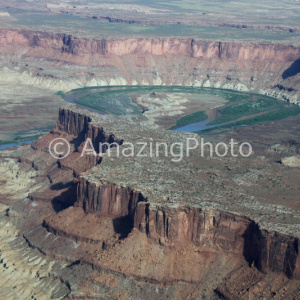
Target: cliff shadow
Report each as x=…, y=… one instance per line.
x=251, y=250
x=290, y=258
x=123, y=226
x=60, y=186
x=77, y=141
x=66, y=199
x=293, y=70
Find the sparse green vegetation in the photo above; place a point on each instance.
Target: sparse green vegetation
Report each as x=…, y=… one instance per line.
x=233, y=97
x=116, y=103
x=61, y=93
x=113, y=29
x=241, y=109
x=20, y=139
x=118, y=100
x=189, y=119
x=271, y=116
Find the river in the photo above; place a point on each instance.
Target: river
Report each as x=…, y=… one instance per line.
x=6, y=146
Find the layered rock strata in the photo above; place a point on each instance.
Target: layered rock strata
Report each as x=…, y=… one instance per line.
x=271, y=69
x=152, y=222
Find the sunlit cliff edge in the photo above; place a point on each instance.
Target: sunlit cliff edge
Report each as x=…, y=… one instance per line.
x=67, y=62
x=143, y=221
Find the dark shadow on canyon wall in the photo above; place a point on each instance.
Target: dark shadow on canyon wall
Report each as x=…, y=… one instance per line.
x=61, y=185
x=78, y=140
x=66, y=199
x=270, y=252
x=123, y=226
x=290, y=259
x=293, y=70
x=251, y=251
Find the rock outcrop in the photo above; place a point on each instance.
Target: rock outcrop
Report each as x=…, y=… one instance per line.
x=142, y=222
x=261, y=68
x=208, y=229
x=108, y=200
x=291, y=161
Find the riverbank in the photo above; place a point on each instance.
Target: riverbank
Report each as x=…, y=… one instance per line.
x=10, y=144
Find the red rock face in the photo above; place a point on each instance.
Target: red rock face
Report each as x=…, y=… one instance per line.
x=108, y=199
x=141, y=46
x=80, y=126
x=119, y=233
x=72, y=123
x=241, y=66
x=272, y=251
x=211, y=230
x=216, y=231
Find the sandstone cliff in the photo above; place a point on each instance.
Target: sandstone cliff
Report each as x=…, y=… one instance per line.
x=210, y=230
x=140, y=46
x=144, y=221
x=264, y=68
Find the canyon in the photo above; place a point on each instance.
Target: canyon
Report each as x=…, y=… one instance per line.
x=228, y=65
x=186, y=225
x=184, y=230
x=42, y=63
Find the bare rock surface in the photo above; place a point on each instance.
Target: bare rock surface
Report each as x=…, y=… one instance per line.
x=35, y=65
x=128, y=227
x=292, y=161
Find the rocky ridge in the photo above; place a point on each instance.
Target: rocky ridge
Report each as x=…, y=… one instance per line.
x=96, y=212
x=138, y=61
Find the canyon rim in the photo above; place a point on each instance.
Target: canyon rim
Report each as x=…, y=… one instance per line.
x=80, y=226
